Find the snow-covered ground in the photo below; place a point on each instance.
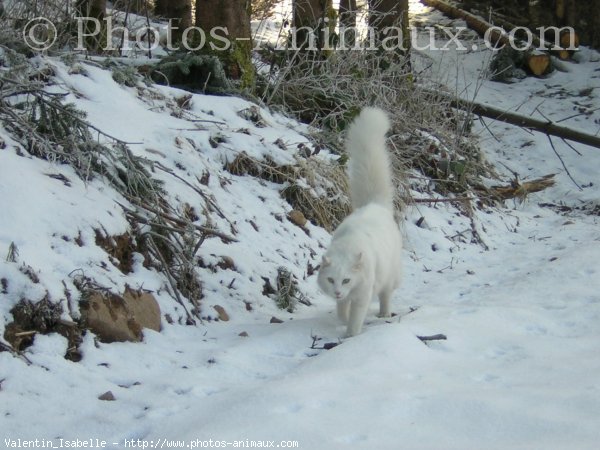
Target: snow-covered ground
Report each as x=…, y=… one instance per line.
x=520, y=363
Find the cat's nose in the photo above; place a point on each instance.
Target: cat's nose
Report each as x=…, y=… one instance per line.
x=338, y=294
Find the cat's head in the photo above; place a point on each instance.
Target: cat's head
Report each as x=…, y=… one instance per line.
x=339, y=275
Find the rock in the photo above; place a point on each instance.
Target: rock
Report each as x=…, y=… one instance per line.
x=275, y=320
x=144, y=307
x=222, y=313
x=244, y=334
x=115, y=318
x=108, y=396
x=297, y=218
x=226, y=263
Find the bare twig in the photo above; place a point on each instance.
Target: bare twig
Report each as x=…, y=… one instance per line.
x=170, y=279
x=180, y=222
x=325, y=346
x=8, y=348
x=563, y=163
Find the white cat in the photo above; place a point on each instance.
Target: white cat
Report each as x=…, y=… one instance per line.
x=364, y=258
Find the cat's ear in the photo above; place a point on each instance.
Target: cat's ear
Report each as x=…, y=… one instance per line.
x=358, y=263
x=326, y=261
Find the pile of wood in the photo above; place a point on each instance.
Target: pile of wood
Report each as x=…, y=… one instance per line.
x=535, y=54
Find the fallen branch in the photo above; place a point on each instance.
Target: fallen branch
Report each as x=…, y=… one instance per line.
x=547, y=127
x=476, y=23
x=206, y=198
x=205, y=230
x=518, y=189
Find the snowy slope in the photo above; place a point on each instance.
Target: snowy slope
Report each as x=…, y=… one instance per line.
x=519, y=367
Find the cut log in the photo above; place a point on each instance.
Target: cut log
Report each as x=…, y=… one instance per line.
x=569, y=40
x=569, y=43
x=539, y=63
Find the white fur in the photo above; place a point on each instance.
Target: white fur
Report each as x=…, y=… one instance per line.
x=364, y=258
x=369, y=168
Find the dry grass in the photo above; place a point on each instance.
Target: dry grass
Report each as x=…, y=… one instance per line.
x=429, y=137
x=313, y=186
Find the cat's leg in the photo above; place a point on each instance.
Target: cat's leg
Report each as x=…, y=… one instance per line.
x=358, y=312
x=384, y=302
x=359, y=303
x=343, y=310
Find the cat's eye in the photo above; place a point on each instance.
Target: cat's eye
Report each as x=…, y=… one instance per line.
x=346, y=281
x=330, y=280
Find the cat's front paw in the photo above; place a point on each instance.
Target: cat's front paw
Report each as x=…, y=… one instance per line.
x=351, y=332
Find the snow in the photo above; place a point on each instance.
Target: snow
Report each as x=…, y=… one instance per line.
x=518, y=369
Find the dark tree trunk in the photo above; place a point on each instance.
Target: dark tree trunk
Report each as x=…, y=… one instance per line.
x=95, y=9
x=393, y=16
x=180, y=13
x=131, y=6
x=311, y=18
x=92, y=8
x=235, y=16
x=347, y=13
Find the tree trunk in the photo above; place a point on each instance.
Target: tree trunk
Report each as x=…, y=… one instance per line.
x=234, y=15
x=347, y=13
x=132, y=6
x=95, y=9
x=310, y=19
x=180, y=11
x=388, y=19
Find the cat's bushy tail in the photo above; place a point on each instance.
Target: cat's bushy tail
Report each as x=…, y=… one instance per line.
x=369, y=167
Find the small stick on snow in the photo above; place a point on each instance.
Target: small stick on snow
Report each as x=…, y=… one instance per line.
x=563, y=163
x=7, y=348
x=25, y=333
x=443, y=200
x=435, y=337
